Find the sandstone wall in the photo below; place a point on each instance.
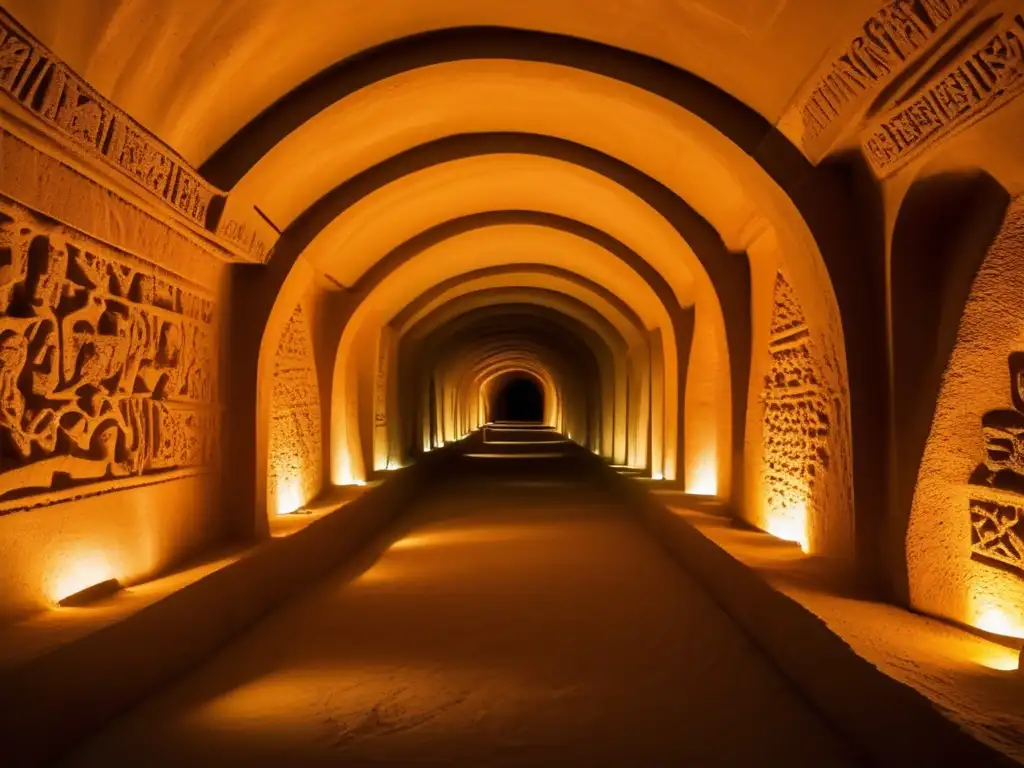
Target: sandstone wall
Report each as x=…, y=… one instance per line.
x=295, y=466
x=965, y=541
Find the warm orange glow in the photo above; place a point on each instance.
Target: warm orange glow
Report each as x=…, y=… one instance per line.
x=790, y=524
x=998, y=658
x=80, y=572
x=289, y=496
x=993, y=618
x=703, y=480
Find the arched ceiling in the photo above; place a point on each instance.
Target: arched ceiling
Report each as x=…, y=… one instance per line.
x=412, y=204
x=170, y=64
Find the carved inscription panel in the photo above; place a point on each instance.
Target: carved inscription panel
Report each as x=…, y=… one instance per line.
x=107, y=365
x=982, y=78
x=798, y=412
x=295, y=464
x=997, y=484
x=47, y=88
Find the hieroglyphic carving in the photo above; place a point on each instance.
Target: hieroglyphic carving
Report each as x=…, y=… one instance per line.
x=295, y=464
x=107, y=365
x=380, y=388
x=798, y=411
x=50, y=90
x=892, y=36
x=988, y=75
x=997, y=484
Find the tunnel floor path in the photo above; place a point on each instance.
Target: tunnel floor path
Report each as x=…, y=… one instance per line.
x=516, y=616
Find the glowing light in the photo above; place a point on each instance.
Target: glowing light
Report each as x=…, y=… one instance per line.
x=289, y=496
x=80, y=572
x=657, y=476
x=703, y=479
x=998, y=658
x=994, y=619
x=790, y=524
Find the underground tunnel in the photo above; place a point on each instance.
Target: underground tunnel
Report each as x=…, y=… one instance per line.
x=481, y=383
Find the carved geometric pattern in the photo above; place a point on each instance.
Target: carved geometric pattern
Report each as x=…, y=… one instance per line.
x=797, y=410
x=997, y=534
x=295, y=463
x=997, y=522
x=107, y=365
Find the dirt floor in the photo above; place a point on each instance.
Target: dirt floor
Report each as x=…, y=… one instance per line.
x=515, y=617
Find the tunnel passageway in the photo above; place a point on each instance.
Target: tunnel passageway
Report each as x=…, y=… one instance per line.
x=517, y=615
x=520, y=399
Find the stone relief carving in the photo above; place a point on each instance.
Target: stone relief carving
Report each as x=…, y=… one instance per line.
x=295, y=463
x=107, y=365
x=986, y=76
x=51, y=92
x=799, y=411
x=380, y=388
x=997, y=498
x=888, y=39
x=45, y=86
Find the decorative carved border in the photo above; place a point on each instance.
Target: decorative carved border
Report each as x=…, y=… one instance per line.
x=51, y=91
x=898, y=33
x=978, y=82
x=48, y=89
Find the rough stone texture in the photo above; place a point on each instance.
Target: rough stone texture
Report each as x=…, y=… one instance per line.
x=55, y=188
x=107, y=365
x=964, y=552
x=805, y=462
x=295, y=467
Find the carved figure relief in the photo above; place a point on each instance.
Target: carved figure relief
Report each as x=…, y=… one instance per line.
x=997, y=515
x=799, y=412
x=380, y=388
x=295, y=464
x=107, y=367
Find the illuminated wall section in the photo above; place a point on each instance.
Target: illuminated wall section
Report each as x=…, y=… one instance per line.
x=294, y=465
x=965, y=541
x=805, y=464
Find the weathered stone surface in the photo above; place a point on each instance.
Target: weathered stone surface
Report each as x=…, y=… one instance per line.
x=108, y=368
x=805, y=458
x=295, y=468
x=964, y=542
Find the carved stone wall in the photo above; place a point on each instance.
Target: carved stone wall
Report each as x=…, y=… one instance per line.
x=108, y=372
x=965, y=540
x=294, y=469
x=50, y=94
x=915, y=73
x=805, y=457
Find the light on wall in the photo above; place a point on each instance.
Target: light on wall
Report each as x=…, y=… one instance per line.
x=790, y=524
x=992, y=617
x=702, y=480
x=288, y=496
x=80, y=574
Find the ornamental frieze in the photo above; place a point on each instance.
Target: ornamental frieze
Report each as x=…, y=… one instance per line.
x=108, y=373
